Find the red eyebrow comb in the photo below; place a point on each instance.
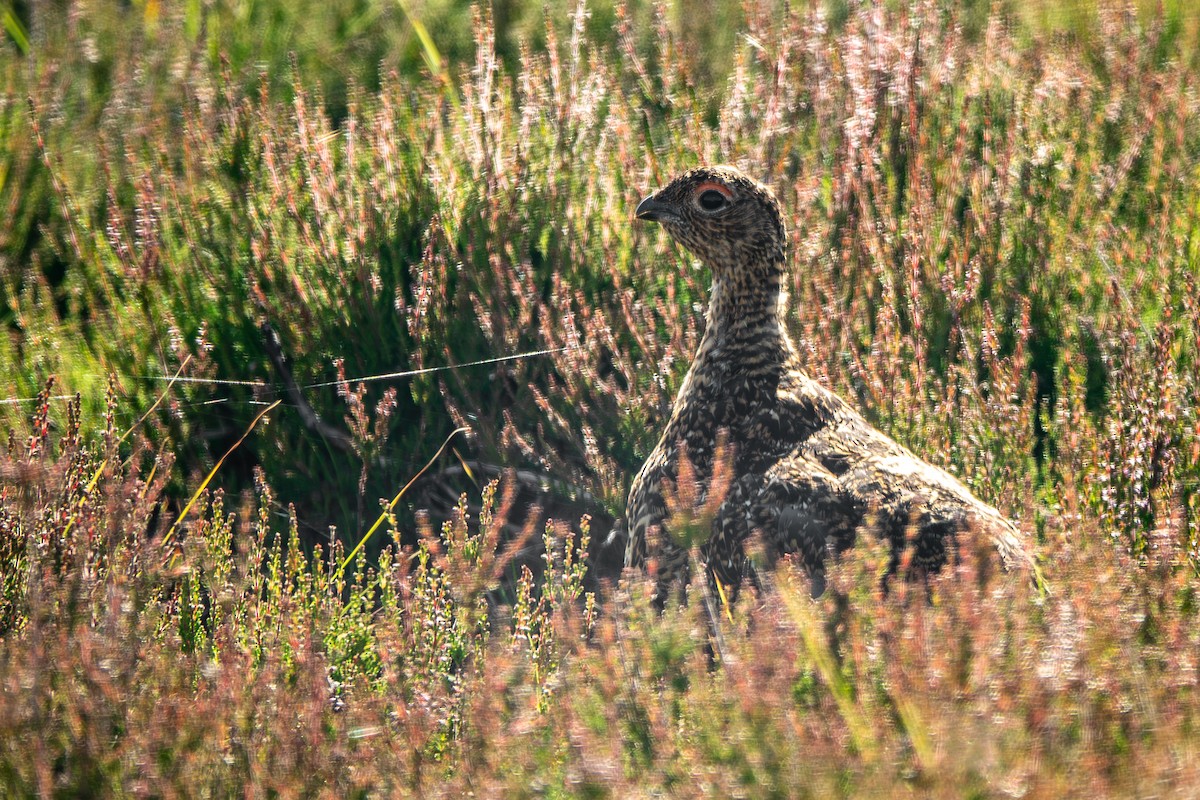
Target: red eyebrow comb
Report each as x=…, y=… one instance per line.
x=716, y=187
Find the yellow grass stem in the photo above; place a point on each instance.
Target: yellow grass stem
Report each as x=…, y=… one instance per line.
x=15, y=29
x=724, y=600
x=800, y=610
x=431, y=54
x=914, y=725
x=157, y=402
x=100, y=469
x=466, y=467
x=208, y=478
x=150, y=478
x=390, y=506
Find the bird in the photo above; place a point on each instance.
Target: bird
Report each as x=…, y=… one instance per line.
x=796, y=462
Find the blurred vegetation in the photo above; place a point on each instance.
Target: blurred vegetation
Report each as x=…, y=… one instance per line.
x=995, y=250
x=351, y=172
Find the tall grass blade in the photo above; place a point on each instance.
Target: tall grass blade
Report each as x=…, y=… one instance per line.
x=216, y=467
x=794, y=596
x=15, y=30
x=91, y=485
x=429, y=50
x=392, y=505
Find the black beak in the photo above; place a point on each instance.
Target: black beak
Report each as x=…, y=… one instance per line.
x=653, y=210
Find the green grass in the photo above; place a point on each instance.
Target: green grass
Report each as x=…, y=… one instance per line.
x=995, y=251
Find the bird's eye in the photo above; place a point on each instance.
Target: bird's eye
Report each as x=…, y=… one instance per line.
x=712, y=200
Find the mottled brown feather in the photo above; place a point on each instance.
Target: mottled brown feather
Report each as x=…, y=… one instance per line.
x=808, y=470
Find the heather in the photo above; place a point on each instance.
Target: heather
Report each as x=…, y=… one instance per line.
x=219, y=219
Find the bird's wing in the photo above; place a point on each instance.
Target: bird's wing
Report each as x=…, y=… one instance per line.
x=804, y=508
x=838, y=467
x=887, y=476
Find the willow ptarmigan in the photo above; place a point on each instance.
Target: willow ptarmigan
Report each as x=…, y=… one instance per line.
x=807, y=470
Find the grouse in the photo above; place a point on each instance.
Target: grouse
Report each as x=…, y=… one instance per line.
x=805, y=469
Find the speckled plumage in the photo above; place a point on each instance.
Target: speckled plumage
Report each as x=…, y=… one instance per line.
x=807, y=470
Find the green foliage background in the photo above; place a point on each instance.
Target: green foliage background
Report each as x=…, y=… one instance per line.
x=995, y=250
x=389, y=189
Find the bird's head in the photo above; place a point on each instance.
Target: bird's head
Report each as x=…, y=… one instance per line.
x=728, y=220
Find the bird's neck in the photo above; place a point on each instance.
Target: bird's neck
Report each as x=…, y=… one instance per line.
x=741, y=356
x=747, y=309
